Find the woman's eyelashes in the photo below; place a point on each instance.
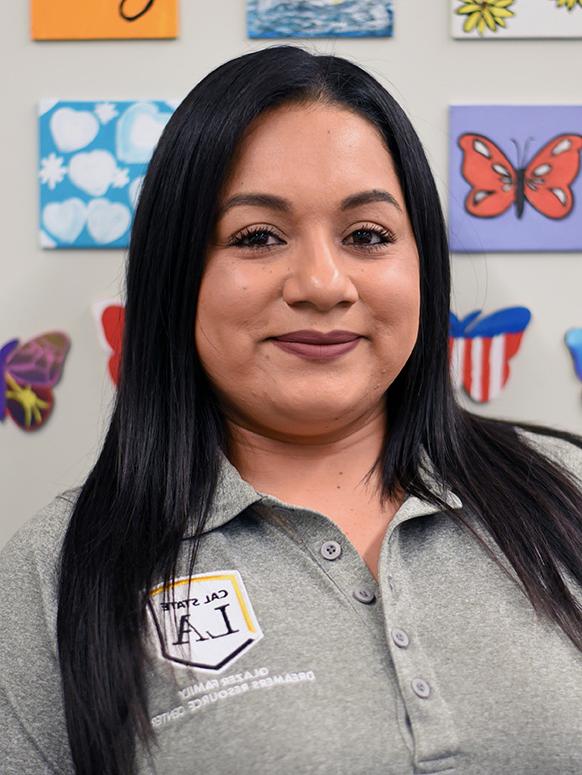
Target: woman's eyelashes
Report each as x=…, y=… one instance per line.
x=254, y=238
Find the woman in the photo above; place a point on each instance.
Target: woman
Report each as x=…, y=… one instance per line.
x=296, y=552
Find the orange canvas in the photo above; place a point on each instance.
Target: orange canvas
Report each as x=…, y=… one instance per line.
x=92, y=19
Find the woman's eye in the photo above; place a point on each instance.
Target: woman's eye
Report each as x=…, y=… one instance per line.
x=371, y=233
x=253, y=238
x=366, y=238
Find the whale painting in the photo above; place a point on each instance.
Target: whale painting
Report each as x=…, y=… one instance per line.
x=319, y=18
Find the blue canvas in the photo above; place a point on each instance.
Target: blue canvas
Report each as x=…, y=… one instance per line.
x=92, y=159
x=319, y=18
x=514, y=178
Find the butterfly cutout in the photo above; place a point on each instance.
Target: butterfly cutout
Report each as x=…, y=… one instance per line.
x=110, y=321
x=480, y=350
x=573, y=340
x=29, y=372
x=545, y=181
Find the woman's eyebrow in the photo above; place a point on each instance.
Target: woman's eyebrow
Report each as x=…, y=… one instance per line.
x=284, y=205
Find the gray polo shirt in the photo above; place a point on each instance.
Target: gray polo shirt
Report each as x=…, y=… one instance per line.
x=282, y=653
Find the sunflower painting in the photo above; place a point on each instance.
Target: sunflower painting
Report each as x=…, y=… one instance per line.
x=496, y=19
x=480, y=14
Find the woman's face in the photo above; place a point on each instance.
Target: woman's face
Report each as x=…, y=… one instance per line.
x=313, y=234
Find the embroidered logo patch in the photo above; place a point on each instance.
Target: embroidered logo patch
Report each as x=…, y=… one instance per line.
x=204, y=621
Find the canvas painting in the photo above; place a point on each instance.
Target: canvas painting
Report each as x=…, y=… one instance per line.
x=319, y=18
x=93, y=156
x=497, y=19
x=99, y=19
x=514, y=178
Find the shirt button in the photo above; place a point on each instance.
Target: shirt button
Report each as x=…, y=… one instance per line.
x=331, y=550
x=400, y=638
x=364, y=594
x=420, y=687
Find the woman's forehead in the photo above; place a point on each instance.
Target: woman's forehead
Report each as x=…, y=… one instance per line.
x=298, y=154
x=311, y=136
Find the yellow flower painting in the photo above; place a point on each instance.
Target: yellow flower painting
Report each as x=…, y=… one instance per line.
x=569, y=4
x=483, y=14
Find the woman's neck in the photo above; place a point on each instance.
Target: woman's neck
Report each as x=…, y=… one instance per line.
x=296, y=470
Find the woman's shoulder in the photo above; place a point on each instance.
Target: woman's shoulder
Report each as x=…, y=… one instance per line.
x=48, y=524
x=35, y=547
x=30, y=685
x=565, y=452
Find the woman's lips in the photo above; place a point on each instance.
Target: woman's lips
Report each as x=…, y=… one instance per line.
x=317, y=352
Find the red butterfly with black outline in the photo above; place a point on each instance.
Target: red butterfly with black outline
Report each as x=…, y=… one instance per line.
x=545, y=181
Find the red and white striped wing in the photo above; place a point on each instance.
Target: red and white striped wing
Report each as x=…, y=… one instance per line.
x=481, y=364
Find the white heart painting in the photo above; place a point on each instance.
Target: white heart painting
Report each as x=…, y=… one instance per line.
x=93, y=172
x=65, y=220
x=138, y=131
x=107, y=221
x=73, y=129
x=92, y=163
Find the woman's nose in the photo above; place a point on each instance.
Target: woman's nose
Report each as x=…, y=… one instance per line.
x=318, y=274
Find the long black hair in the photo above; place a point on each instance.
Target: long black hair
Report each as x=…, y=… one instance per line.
x=157, y=471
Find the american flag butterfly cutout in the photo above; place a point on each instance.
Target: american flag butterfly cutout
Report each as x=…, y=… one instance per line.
x=110, y=318
x=480, y=350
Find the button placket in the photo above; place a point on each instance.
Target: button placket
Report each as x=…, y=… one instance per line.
x=347, y=570
x=433, y=730
x=363, y=593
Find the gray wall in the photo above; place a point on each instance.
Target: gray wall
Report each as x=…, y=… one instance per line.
x=425, y=69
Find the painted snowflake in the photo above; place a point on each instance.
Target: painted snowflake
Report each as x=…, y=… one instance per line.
x=105, y=112
x=52, y=170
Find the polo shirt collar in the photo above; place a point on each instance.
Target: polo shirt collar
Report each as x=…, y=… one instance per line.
x=234, y=494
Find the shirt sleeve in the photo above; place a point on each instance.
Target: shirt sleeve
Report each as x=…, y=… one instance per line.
x=566, y=455
x=34, y=738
